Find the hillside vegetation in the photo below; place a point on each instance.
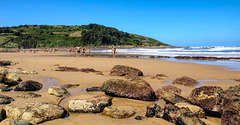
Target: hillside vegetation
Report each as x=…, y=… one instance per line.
x=36, y=36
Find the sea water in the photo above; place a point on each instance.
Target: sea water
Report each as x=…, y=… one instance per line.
x=218, y=51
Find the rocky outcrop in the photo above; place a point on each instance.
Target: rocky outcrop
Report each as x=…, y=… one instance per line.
x=67, y=86
x=58, y=91
x=186, y=81
x=5, y=99
x=134, y=89
x=230, y=102
x=119, y=112
x=174, y=98
x=95, y=104
x=29, y=86
x=160, y=92
x=35, y=112
x=121, y=70
x=193, y=108
x=16, y=71
x=94, y=89
x=207, y=97
x=29, y=95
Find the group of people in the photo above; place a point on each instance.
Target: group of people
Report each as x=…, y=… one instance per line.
x=83, y=50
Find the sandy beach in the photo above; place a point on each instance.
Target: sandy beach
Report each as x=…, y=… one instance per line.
x=43, y=63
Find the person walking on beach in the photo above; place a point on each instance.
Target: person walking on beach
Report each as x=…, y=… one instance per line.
x=113, y=51
x=78, y=51
x=89, y=50
x=84, y=50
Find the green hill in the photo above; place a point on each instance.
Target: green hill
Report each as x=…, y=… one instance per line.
x=35, y=36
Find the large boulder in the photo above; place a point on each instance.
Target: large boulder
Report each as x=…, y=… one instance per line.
x=230, y=99
x=134, y=89
x=29, y=86
x=95, y=104
x=174, y=114
x=58, y=91
x=186, y=81
x=121, y=70
x=207, y=97
x=35, y=112
x=119, y=112
x=160, y=92
x=193, y=108
x=5, y=99
x=181, y=116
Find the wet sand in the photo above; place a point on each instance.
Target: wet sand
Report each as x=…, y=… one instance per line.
x=43, y=63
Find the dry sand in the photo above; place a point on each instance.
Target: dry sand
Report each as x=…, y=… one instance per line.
x=44, y=62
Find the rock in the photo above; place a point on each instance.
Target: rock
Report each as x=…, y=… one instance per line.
x=29, y=95
x=4, y=88
x=2, y=78
x=67, y=86
x=121, y=70
x=95, y=104
x=135, y=89
x=160, y=75
x=5, y=63
x=230, y=102
x=193, y=108
x=94, y=89
x=139, y=117
x=2, y=114
x=237, y=80
x=10, y=121
x=186, y=81
x=14, y=76
x=58, y=91
x=21, y=71
x=34, y=112
x=119, y=112
x=181, y=116
x=5, y=99
x=29, y=86
x=73, y=69
x=3, y=70
x=207, y=97
x=99, y=73
x=174, y=98
x=160, y=92
x=154, y=110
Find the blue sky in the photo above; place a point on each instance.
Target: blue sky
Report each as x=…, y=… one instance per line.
x=176, y=22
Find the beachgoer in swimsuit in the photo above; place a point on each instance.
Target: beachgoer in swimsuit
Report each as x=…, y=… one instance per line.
x=84, y=50
x=113, y=51
x=78, y=51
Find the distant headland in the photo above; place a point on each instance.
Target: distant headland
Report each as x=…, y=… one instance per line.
x=95, y=35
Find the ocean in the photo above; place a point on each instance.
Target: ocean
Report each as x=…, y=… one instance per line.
x=217, y=51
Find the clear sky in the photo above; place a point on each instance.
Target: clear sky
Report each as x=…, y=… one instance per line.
x=176, y=22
